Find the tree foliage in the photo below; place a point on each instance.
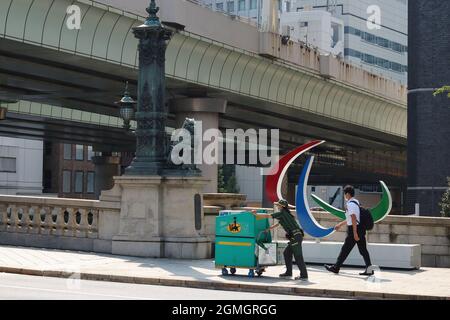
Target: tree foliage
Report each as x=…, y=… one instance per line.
x=443, y=90
x=227, y=182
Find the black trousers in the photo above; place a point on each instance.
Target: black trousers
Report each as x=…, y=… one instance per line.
x=295, y=248
x=350, y=242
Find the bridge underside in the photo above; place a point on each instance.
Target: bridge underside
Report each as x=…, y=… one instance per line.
x=38, y=74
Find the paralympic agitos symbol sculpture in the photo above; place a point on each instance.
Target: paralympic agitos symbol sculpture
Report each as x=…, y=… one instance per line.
x=306, y=219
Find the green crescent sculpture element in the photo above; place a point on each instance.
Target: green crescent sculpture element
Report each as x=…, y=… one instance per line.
x=379, y=212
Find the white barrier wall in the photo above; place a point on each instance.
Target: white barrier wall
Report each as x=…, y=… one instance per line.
x=21, y=163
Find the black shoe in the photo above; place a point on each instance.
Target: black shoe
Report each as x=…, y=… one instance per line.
x=301, y=278
x=285, y=275
x=332, y=268
x=365, y=273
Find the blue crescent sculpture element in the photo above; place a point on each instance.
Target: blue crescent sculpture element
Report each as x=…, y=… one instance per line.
x=306, y=219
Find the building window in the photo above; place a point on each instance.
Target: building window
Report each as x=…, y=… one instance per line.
x=90, y=182
x=90, y=153
x=253, y=4
x=241, y=5
x=230, y=6
x=219, y=6
x=67, y=181
x=380, y=62
x=79, y=182
x=79, y=152
x=67, y=151
x=379, y=41
x=7, y=164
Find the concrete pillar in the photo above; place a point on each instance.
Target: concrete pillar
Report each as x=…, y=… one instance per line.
x=106, y=167
x=206, y=110
x=428, y=127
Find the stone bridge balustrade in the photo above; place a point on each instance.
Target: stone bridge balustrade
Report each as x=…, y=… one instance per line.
x=34, y=216
x=59, y=223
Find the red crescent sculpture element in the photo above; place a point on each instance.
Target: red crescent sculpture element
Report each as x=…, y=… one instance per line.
x=277, y=173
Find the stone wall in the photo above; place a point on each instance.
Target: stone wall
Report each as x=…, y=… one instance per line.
x=433, y=234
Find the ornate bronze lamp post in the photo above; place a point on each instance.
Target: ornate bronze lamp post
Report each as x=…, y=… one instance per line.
x=151, y=115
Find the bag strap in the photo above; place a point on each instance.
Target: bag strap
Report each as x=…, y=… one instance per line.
x=353, y=201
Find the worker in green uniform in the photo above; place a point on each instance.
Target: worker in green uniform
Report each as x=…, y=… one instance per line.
x=295, y=236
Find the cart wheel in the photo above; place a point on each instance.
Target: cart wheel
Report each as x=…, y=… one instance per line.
x=224, y=271
x=233, y=270
x=251, y=273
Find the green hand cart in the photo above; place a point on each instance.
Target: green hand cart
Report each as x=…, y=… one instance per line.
x=241, y=242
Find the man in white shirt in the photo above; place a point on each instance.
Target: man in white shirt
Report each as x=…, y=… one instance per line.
x=356, y=234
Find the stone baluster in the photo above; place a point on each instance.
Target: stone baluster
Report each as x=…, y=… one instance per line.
x=12, y=225
x=22, y=225
x=47, y=225
x=37, y=221
x=60, y=223
x=93, y=227
x=33, y=211
x=71, y=225
x=83, y=225
x=3, y=217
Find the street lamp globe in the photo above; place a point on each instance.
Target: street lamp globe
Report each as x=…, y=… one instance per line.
x=127, y=111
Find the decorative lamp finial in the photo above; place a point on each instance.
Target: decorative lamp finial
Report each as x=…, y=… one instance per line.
x=152, y=11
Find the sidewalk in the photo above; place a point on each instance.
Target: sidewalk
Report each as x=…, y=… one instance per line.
x=426, y=283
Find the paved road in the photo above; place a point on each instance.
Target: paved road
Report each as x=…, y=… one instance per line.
x=21, y=287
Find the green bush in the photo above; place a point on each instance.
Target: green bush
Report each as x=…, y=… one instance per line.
x=444, y=89
x=227, y=182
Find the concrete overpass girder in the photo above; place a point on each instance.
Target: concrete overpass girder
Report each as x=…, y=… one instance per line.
x=105, y=33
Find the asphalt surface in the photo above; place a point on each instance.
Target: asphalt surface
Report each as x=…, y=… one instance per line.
x=23, y=287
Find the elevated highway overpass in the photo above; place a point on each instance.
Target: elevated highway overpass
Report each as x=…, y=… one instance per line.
x=65, y=81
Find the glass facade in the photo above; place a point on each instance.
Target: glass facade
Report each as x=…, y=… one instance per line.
x=90, y=182
x=376, y=61
x=90, y=153
x=79, y=182
x=230, y=6
x=7, y=164
x=67, y=175
x=241, y=5
x=79, y=152
x=373, y=39
x=67, y=151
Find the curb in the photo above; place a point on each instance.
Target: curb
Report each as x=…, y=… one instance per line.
x=232, y=286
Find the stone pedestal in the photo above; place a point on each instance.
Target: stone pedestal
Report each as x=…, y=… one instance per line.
x=157, y=217
x=207, y=111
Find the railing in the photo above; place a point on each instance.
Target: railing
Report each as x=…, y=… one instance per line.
x=49, y=216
